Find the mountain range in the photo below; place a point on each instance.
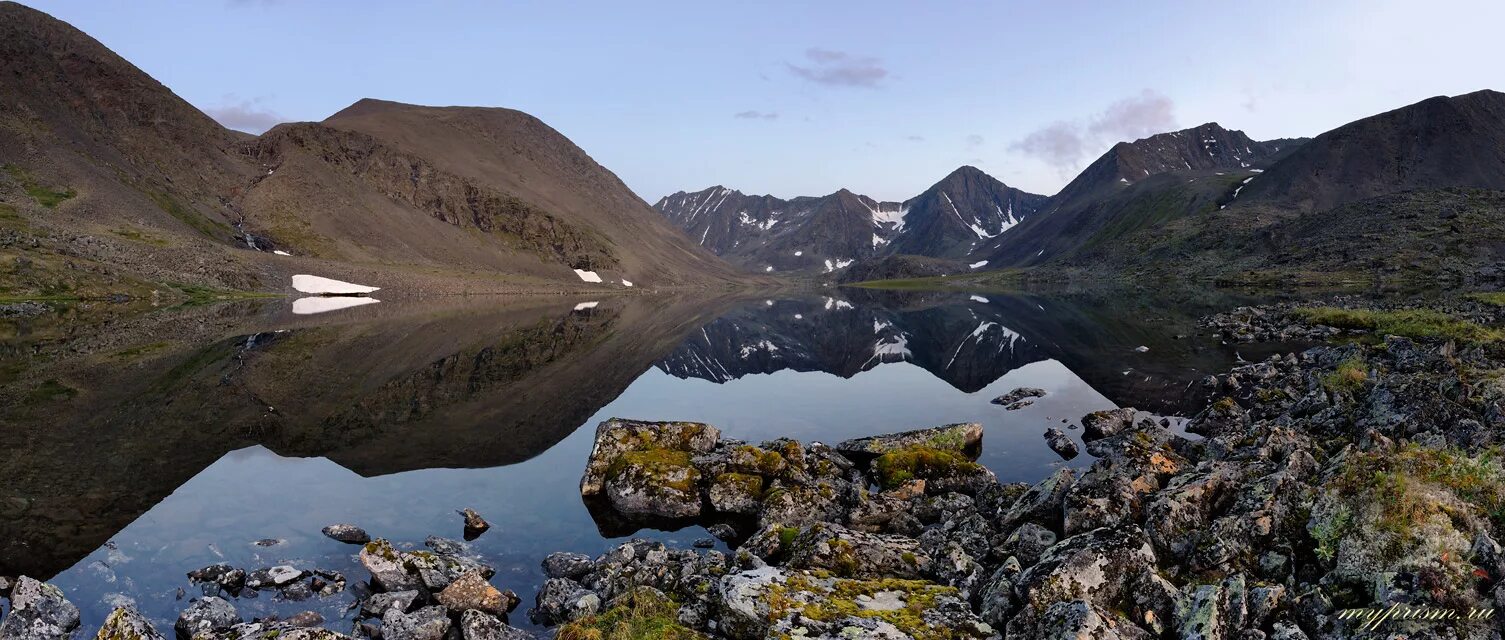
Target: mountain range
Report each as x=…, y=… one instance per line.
x=112, y=185
x=1417, y=191
x=824, y=234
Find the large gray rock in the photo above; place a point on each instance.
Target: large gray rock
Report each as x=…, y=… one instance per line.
x=1075, y=620
x=347, y=533
x=1102, y=566
x=206, y=615
x=562, y=600
x=1061, y=443
x=475, y=625
x=125, y=623
x=428, y=623
x=963, y=438
x=471, y=592
x=376, y=606
x=616, y=437
x=38, y=612
x=563, y=564
x=1042, y=503
x=386, y=566
x=1101, y=424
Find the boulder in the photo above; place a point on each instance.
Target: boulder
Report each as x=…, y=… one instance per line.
x=770, y=602
x=562, y=600
x=1101, y=566
x=736, y=493
x=376, y=606
x=475, y=525
x=471, y=592
x=657, y=483
x=385, y=564
x=428, y=623
x=475, y=625
x=1041, y=504
x=347, y=533
x=1027, y=543
x=1075, y=620
x=206, y=615
x=1061, y=443
x=125, y=623
x=616, y=437
x=965, y=438
x=1018, y=394
x=567, y=565
x=38, y=611
x=1101, y=424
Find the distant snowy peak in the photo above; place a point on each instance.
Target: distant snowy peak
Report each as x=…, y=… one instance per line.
x=828, y=233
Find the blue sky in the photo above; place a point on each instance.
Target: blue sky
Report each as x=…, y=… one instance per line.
x=804, y=98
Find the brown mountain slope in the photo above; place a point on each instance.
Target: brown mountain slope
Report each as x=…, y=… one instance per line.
x=113, y=184
x=520, y=156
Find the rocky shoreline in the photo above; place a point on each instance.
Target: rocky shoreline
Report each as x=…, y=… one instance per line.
x=1352, y=477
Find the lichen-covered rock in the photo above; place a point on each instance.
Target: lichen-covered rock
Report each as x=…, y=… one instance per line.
x=566, y=565
x=1102, y=566
x=471, y=592
x=1042, y=503
x=736, y=493
x=1101, y=424
x=799, y=504
x=1075, y=620
x=377, y=604
x=125, y=623
x=385, y=564
x=38, y=611
x=616, y=437
x=770, y=602
x=1027, y=543
x=658, y=483
x=854, y=554
x=206, y=616
x=428, y=623
x=562, y=600
x=964, y=438
x=475, y=625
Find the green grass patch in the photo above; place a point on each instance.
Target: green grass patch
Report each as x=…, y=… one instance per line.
x=1403, y=485
x=1496, y=298
x=50, y=391
x=200, y=295
x=137, y=236
x=1410, y=323
x=643, y=614
x=188, y=216
x=46, y=196
x=1349, y=377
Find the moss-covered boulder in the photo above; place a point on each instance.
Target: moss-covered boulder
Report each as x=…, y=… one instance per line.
x=736, y=493
x=964, y=438
x=125, y=623
x=654, y=483
x=617, y=437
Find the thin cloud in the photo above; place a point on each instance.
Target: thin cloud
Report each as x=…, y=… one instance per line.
x=245, y=115
x=974, y=141
x=915, y=138
x=756, y=115
x=1135, y=117
x=1059, y=144
x=1064, y=144
x=840, y=69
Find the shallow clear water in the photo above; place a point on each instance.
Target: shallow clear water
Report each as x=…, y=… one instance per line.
x=393, y=417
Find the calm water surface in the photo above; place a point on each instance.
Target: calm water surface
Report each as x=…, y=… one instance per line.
x=143, y=448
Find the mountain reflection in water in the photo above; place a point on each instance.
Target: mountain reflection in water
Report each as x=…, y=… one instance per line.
x=173, y=454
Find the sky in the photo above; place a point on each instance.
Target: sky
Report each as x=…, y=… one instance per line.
x=883, y=97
